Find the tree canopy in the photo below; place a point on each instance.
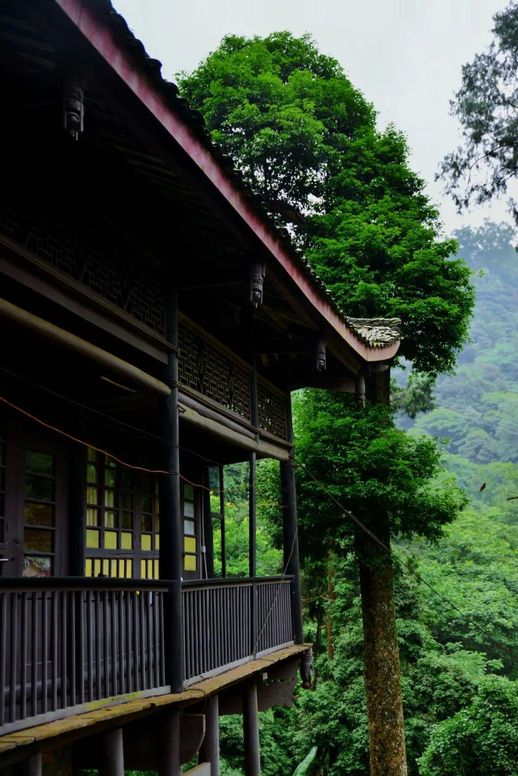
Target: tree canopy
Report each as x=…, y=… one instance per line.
x=306, y=141
x=487, y=107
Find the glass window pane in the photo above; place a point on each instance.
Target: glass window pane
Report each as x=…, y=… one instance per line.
x=126, y=540
x=91, y=454
x=109, y=477
x=125, y=476
x=92, y=538
x=109, y=498
x=91, y=473
x=127, y=520
x=188, y=492
x=145, y=542
x=39, y=463
x=146, y=504
x=126, y=500
x=109, y=519
x=146, y=523
x=34, y=566
x=39, y=514
x=189, y=563
x=39, y=488
x=93, y=517
x=92, y=495
x=188, y=509
x=88, y=567
x=38, y=541
x=189, y=544
x=189, y=528
x=110, y=540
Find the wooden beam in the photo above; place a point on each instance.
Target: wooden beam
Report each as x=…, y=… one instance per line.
x=111, y=363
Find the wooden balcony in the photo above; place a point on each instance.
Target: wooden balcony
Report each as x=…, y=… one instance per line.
x=72, y=644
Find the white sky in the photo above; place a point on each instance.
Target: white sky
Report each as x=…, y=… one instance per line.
x=404, y=55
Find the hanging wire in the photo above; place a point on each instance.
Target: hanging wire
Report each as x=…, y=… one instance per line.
x=399, y=562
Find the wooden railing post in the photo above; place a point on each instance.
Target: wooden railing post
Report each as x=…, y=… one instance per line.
x=171, y=529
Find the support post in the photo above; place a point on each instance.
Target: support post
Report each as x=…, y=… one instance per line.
x=251, y=730
x=209, y=751
x=32, y=766
x=77, y=510
x=169, y=754
x=112, y=753
x=290, y=535
x=171, y=529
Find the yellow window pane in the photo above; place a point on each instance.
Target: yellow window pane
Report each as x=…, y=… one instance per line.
x=129, y=568
x=126, y=540
x=90, y=454
x=109, y=519
x=92, y=516
x=91, y=494
x=97, y=567
x=122, y=567
x=91, y=473
x=189, y=544
x=106, y=566
x=145, y=541
x=143, y=569
x=157, y=542
x=109, y=498
x=92, y=538
x=113, y=567
x=189, y=563
x=110, y=540
x=88, y=567
x=156, y=571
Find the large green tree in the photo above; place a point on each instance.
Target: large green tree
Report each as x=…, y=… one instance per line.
x=486, y=106
x=306, y=141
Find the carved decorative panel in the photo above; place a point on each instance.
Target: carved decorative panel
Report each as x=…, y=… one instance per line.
x=212, y=373
x=94, y=256
x=271, y=411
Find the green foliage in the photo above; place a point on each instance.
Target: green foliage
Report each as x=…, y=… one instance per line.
x=306, y=140
x=487, y=108
x=479, y=740
x=358, y=457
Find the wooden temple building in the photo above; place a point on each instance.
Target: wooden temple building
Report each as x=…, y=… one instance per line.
x=153, y=325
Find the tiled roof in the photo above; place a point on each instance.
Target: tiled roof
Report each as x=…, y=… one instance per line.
x=376, y=332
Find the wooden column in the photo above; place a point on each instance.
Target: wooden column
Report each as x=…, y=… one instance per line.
x=171, y=529
x=77, y=510
x=169, y=754
x=290, y=536
x=251, y=730
x=209, y=751
x=32, y=766
x=252, y=490
x=112, y=753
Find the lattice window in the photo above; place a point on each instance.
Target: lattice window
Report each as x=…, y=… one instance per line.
x=212, y=373
x=122, y=520
x=271, y=412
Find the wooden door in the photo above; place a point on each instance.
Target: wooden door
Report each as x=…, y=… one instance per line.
x=34, y=500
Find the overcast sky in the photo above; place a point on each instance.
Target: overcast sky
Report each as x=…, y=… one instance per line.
x=404, y=55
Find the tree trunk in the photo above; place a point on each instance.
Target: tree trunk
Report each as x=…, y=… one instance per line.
x=381, y=659
x=381, y=653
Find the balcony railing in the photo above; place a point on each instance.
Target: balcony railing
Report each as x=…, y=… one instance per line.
x=69, y=644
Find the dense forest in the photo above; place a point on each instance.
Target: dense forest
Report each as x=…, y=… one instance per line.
x=456, y=598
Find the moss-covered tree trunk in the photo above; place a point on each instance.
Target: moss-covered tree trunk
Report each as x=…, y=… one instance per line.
x=381, y=659
x=381, y=652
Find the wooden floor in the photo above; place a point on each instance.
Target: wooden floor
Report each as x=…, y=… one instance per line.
x=132, y=709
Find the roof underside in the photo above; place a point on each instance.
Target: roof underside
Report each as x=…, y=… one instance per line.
x=193, y=196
